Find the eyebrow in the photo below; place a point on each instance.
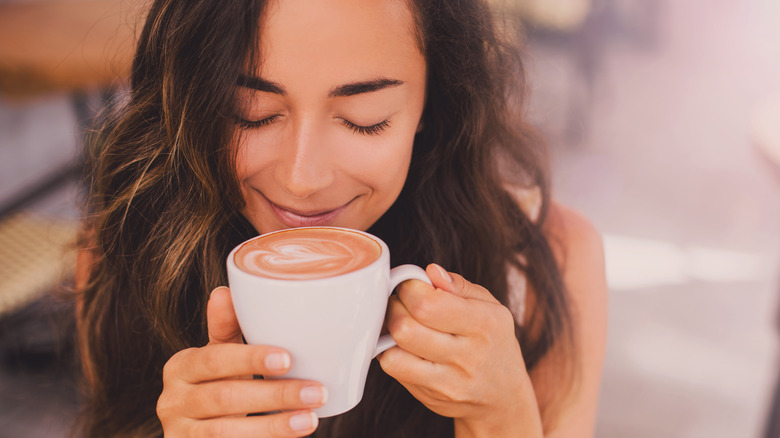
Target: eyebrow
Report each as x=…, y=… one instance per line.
x=256, y=83
x=363, y=87
x=345, y=90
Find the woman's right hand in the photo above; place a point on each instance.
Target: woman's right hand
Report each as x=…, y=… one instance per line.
x=209, y=391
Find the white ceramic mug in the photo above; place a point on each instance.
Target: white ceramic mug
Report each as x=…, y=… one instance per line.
x=329, y=325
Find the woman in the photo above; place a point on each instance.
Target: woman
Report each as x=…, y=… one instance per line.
x=400, y=118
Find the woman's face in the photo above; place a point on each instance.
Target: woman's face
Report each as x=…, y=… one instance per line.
x=329, y=117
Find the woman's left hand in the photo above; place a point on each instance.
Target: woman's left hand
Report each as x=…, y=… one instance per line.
x=457, y=353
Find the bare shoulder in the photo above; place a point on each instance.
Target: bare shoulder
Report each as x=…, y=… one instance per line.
x=573, y=238
x=579, y=251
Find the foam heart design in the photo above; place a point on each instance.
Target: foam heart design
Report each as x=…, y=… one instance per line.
x=302, y=258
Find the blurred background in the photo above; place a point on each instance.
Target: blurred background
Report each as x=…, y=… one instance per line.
x=663, y=119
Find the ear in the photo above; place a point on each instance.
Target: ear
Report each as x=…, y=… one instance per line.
x=419, y=126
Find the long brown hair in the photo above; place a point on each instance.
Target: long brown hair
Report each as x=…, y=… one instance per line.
x=164, y=203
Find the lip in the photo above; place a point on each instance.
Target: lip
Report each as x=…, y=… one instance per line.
x=296, y=218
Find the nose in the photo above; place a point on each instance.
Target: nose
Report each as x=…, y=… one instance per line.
x=303, y=168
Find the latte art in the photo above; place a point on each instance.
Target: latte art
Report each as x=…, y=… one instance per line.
x=308, y=253
x=301, y=258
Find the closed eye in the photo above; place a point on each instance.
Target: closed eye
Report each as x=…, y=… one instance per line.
x=366, y=130
x=250, y=124
x=357, y=129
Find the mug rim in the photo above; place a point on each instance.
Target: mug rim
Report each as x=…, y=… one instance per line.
x=382, y=259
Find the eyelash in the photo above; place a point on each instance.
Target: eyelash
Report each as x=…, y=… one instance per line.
x=366, y=130
x=357, y=129
x=251, y=124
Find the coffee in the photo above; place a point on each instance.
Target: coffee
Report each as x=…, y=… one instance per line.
x=307, y=253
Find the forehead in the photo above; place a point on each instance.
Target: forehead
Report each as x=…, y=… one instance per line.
x=337, y=38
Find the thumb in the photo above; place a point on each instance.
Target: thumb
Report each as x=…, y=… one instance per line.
x=440, y=277
x=458, y=285
x=221, y=318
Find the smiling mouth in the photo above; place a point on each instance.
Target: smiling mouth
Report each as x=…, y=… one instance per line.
x=296, y=218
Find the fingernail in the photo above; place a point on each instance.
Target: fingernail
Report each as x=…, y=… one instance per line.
x=277, y=361
x=304, y=421
x=314, y=395
x=443, y=273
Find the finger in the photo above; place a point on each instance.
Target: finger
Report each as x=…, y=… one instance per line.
x=418, y=339
x=439, y=277
x=438, y=309
x=222, y=361
x=241, y=397
x=410, y=369
x=283, y=425
x=470, y=291
x=221, y=318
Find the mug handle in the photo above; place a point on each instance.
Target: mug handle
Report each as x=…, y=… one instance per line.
x=398, y=275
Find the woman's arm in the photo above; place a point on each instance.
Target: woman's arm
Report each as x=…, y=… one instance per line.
x=579, y=251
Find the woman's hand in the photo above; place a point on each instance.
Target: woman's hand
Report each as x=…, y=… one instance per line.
x=209, y=391
x=457, y=353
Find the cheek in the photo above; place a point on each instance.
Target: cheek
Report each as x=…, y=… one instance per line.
x=253, y=154
x=380, y=163
x=241, y=164
x=240, y=146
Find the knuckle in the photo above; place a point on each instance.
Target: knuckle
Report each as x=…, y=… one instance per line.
x=505, y=318
x=480, y=322
x=401, y=329
x=286, y=395
x=409, y=289
x=171, y=367
x=163, y=407
x=495, y=318
x=388, y=361
x=210, y=429
x=280, y=426
x=168, y=371
x=393, y=320
x=447, y=393
x=423, y=310
x=210, y=361
x=403, y=288
x=172, y=403
x=454, y=394
x=488, y=320
x=223, y=397
x=462, y=289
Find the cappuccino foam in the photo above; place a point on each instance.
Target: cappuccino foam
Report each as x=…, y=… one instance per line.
x=307, y=253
